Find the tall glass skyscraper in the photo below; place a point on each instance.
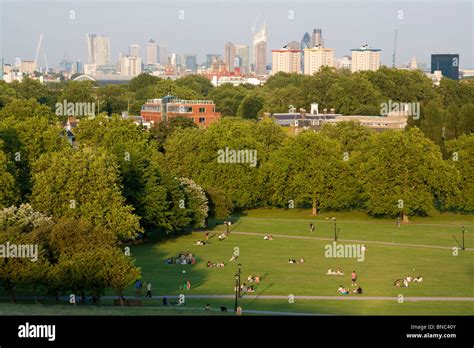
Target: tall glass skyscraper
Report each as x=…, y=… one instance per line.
x=305, y=43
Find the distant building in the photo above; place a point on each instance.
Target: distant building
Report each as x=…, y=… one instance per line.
x=98, y=49
x=212, y=58
x=293, y=45
x=243, y=52
x=317, y=38
x=130, y=66
x=305, y=43
x=152, y=52
x=448, y=64
x=202, y=112
x=365, y=58
x=27, y=67
x=413, y=64
x=229, y=55
x=343, y=63
x=134, y=51
x=260, y=51
x=316, y=57
x=190, y=62
x=286, y=60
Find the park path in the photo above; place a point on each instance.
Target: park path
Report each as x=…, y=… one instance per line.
x=356, y=222
x=352, y=241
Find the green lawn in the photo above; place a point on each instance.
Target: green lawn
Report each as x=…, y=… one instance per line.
x=444, y=275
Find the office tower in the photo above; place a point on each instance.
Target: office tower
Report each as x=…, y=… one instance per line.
x=229, y=56
x=151, y=52
x=343, y=63
x=448, y=64
x=210, y=58
x=316, y=57
x=164, y=55
x=130, y=65
x=190, y=62
x=293, y=45
x=317, y=38
x=134, y=50
x=243, y=51
x=260, y=51
x=98, y=49
x=365, y=58
x=286, y=60
x=27, y=67
x=305, y=43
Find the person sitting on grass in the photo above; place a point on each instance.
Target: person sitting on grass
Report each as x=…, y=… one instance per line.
x=222, y=236
x=268, y=237
x=165, y=301
x=200, y=242
x=208, y=307
x=339, y=271
x=291, y=261
x=301, y=260
x=357, y=291
x=409, y=278
x=251, y=289
x=342, y=290
x=250, y=279
x=330, y=272
x=233, y=258
x=223, y=308
x=220, y=264
x=405, y=283
x=243, y=287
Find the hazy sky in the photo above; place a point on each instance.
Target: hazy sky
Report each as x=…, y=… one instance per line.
x=424, y=27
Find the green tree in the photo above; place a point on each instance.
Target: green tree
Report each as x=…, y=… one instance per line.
x=197, y=83
x=249, y=107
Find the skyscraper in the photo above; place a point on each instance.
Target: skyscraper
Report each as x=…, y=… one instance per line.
x=243, y=51
x=365, y=58
x=190, y=61
x=98, y=49
x=229, y=55
x=260, y=51
x=448, y=64
x=317, y=38
x=151, y=52
x=130, y=65
x=305, y=43
x=134, y=50
x=210, y=58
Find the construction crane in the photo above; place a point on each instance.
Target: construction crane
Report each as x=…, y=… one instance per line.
x=394, y=49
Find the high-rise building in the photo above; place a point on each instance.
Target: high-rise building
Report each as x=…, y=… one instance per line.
x=163, y=55
x=27, y=67
x=293, y=45
x=448, y=64
x=134, y=50
x=343, y=63
x=212, y=57
x=305, y=43
x=130, y=65
x=229, y=55
x=413, y=64
x=98, y=49
x=243, y=51
x=190, y=62
x=365, y=58
x=317, y=38
x=151, y=52
x=286, y=60
x=316, y=57
x=260, y=51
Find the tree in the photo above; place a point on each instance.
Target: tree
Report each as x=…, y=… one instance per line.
x=196, y=202
x=160, y=131
x=461, y=157
x=8, y=189
x=21, y=110
x=228, y=98
x=84, y=184
x=142, y=81
x=309, y=170
x=404, y=174
x=197, y=83
x=249, y=107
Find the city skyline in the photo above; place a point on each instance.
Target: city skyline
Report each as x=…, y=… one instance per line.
x=345, y=25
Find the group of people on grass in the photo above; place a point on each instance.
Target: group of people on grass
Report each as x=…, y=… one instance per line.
x=403, y=282
x=301, y=260
x=253, y=279
x=268, y=237
x=336, y=272
x=344, y=291
x=181, y=259
x=139, y=287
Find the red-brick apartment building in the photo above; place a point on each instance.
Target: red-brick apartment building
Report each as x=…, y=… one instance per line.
x=202, y=112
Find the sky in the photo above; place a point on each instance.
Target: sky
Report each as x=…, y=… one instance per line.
x=204, y=26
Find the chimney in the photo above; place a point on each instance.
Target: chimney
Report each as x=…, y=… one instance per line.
x=314, y=109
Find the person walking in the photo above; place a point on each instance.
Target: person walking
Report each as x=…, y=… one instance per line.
x=148, y=290
x=311, y=228
x=138, y=288
x=398, y=221
x=354, y=278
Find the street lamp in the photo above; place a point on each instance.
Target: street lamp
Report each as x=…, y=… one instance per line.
x=237, y=290
x=463, y=231
x=335, y=232
x=240, y=295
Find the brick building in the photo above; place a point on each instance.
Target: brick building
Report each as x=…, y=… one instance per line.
x=202, y=112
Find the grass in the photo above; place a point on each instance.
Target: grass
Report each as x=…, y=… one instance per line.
x=444, y=275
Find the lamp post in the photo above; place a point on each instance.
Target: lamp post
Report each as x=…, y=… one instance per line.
x=240, y=295
x=237, y=290
x=335, y=232
x=463, y=231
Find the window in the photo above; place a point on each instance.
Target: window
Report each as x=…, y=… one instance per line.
x=201, y=110
x=202, y=119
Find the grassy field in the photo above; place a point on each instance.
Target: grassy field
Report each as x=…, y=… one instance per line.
x=444, y=275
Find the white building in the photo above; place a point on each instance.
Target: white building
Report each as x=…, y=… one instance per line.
x=134, y=50
x=316, y=57
x=286, y=60
x=98, y=49
x=365, y=58
x=130, y=66
x=260, y=51
x=151, y=52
